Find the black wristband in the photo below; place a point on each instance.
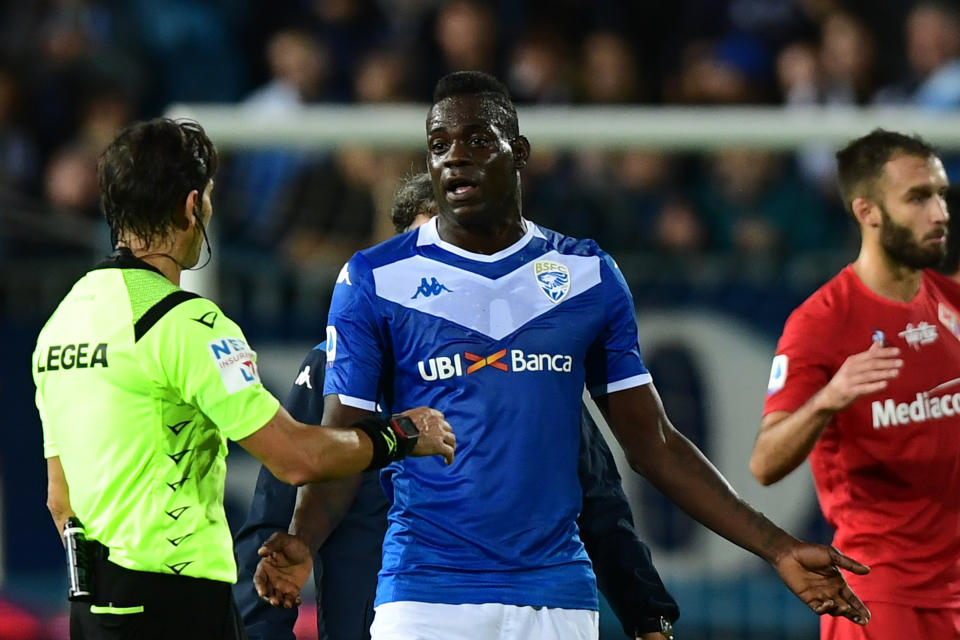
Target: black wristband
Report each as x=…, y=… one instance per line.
x=393, y=439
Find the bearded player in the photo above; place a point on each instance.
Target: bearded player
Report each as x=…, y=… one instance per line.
x=866, y=381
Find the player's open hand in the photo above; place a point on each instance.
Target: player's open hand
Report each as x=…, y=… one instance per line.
x=812, y=572
x=436, y=435
x=861, y=374
x=284, y=567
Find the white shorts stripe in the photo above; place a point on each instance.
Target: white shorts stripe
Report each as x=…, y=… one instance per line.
x=407, y=620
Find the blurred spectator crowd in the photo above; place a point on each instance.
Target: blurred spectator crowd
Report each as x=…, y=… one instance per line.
x=72, y=72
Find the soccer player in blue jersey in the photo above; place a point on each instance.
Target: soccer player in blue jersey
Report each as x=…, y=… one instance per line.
x=346, y=565
x=500, y=323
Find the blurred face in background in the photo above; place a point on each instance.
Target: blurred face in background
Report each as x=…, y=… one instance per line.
x=466, y=35
x=381, y=78
x=297, y=59
x=744, y=173
x=933, y=38
x=538, y=68
x=609, y=72
x=846, y=51
x=70, y=181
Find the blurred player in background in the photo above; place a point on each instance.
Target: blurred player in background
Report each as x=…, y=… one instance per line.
x=866, y=381
x=503, y=322
x=348, y=559
x=139, y=385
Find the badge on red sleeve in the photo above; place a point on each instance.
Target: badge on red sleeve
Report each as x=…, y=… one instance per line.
x=948, y=318
x=778, y=374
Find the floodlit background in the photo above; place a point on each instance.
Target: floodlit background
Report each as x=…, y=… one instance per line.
x=693, y=139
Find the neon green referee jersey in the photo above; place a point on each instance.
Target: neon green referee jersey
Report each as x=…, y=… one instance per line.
x=139, y=385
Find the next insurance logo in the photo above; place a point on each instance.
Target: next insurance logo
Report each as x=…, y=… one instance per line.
x=507, y=360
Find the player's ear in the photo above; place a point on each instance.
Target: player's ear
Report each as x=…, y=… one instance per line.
x=186, y=213
x=521, y=151
x=866, y=212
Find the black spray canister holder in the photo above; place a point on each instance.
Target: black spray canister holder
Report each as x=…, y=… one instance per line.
x=78, y=560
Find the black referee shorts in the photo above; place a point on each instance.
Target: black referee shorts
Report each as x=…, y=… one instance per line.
x=136, y=605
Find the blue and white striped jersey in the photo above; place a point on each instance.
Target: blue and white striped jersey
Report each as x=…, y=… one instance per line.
x=503, y=345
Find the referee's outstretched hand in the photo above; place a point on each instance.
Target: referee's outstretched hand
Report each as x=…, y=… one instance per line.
x=285, y=564
x=812, y=571
x=436, y=435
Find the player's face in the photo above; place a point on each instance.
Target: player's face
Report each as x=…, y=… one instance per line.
x=206, y=212
x=471, y=161
x=913, y=209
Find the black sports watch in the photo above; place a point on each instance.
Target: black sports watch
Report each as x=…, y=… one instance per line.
x=406, y=431
x=657, y=624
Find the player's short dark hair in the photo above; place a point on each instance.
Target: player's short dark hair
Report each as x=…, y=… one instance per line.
x=478, y=83
x=147, y=172
x=860, y=163
x=415, y=196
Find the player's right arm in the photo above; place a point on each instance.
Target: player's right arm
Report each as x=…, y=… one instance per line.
x=786, y=438
x=356, y=351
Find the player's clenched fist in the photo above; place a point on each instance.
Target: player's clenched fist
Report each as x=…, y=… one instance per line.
x=436, y=436
x=861, y=374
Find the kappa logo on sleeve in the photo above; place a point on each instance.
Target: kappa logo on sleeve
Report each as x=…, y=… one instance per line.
x=778, y=374
x=344, y=276
x=236, y=362
x=303, y=378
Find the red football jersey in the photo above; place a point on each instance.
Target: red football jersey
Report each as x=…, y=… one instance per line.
x=886, y=469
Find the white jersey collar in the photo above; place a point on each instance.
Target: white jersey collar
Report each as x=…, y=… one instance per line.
x=428, y=234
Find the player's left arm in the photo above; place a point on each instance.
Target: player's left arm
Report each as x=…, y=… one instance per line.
x=677, y=468
x=622, y=562
x=628, y=400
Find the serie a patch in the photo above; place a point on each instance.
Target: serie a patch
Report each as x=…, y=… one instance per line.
x=236, y=362
x=778, y=374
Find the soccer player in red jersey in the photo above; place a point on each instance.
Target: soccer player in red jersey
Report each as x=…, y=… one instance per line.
x=866, y=381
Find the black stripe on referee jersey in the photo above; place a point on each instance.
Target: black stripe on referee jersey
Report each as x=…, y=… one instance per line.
x=157, y=311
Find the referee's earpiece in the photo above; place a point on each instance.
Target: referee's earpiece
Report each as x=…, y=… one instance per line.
x=197, y=212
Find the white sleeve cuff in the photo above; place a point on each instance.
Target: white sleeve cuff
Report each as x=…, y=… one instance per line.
x=358, y=403
x=620, y=385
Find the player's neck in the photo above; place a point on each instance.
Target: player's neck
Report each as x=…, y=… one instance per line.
x=885, y=277
x=165, y=259
x=484, y=239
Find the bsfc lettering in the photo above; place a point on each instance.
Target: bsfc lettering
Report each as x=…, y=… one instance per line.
x=69, y=356
x=542, y=266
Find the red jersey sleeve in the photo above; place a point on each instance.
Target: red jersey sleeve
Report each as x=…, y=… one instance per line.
x=803, y=363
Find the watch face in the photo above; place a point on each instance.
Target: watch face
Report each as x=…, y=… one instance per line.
x=405, y=426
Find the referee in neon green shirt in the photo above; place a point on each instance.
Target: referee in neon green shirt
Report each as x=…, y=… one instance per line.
x=139, y=386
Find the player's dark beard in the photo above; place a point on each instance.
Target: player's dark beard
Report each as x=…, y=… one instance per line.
x=897, y=240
